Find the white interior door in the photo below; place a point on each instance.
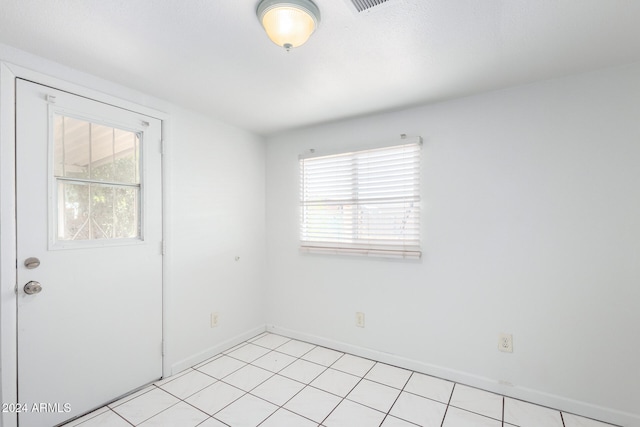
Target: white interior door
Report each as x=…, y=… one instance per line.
x=89, y=209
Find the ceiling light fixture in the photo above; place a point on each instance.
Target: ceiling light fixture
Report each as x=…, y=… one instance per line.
x=288, y=23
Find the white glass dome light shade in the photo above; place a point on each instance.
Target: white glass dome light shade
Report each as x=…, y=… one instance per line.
x=288, y=23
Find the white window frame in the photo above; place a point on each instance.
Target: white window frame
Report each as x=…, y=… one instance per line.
x=362, y=202
x=54, y=202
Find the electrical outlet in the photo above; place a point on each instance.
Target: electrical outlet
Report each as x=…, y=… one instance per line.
x=505, y=343
x=214, y=319
x=360, y=319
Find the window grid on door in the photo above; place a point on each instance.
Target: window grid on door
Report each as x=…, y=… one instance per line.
x=97, y=174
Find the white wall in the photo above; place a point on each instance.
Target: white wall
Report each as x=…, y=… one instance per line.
x=217, y=208
x=531, y=227
x=214, y=211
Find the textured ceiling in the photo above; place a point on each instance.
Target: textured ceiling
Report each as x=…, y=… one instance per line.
x=213, y=56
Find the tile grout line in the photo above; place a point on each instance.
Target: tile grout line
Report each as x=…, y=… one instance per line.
x=299, y=391
x=352, y=388
x=126, y=420
x=292, y=379
x=446, y=409
x=237, y=347
x=165, y=409
x=185, y=401
x=397, y=397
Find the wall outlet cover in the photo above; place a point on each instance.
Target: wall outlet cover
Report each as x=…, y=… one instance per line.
x=214, y=319
x=360, y=319
x=505, y=343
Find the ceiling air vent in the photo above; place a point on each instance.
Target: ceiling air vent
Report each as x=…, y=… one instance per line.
x=362, y=5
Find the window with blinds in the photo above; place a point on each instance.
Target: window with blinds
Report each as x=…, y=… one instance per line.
x=363, y=202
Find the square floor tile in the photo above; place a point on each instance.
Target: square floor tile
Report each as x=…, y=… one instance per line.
x=322, y=356
x=271, y=341
x=349, y=414
x=396, y=422
x=295, y=348
x=419, y=410
x=145, y=406
x=284, y=418
x=313, y=403
x=221, y=367
x=248, y=353
x=104, y=419
x=180, y=414
x=526, y=414
x=302, y=371
x=389, y=375
x=278, y=389
x=215, y=397
x=274, y=361
x=335, y=382
x=478, y=401
x=571, y=420
x=188, y=384
x=212, y=422
x=460, y=418
x=429, y=387
x=248, y=411
x=248, y=378
x=353, y=365
x=374, y=395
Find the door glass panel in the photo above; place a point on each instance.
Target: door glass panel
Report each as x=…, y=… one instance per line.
x=102, y=142
x=126, y=155
x=126, y=213
x=96, y=211
x=73, y=211
x=97, y=169
x=71, y=147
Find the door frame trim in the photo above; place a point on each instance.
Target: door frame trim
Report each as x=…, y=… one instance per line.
x=8, y=239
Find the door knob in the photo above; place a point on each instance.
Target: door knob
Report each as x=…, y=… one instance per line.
x=32, y=288
x=32, y=263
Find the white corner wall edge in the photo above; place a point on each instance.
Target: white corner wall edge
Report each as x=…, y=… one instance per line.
x=564, y=404
x=216, y=349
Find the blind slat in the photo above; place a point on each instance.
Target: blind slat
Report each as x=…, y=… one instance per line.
x=365, y=202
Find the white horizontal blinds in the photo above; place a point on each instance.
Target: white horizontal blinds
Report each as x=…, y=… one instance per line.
x=365, y=202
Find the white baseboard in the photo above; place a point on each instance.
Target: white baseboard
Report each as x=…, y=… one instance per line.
x=564, y=404
x=216, y=349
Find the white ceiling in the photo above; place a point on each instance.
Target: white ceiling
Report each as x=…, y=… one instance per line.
x=213, y=56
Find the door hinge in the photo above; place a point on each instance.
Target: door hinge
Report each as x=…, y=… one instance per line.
x=162, y=146
x=162, y=349
x=163, y=248
x=51, y=99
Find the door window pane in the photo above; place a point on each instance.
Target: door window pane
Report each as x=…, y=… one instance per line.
x=126, y=156
x=73, y=211
x=97, y=169
x=125, y=214
x=97, y=211
x=72, y=147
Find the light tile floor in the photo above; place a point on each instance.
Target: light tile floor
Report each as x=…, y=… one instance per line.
x=273, y=381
